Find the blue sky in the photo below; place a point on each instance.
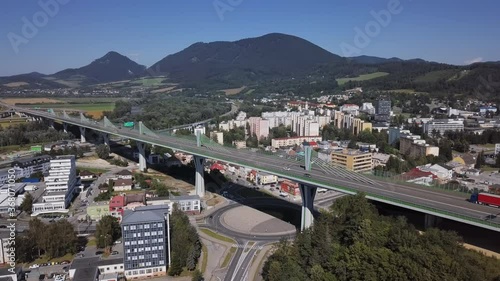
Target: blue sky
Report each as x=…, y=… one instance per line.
x=81, y=31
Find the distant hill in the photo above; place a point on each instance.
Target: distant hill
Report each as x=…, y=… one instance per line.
x=372, y=60
x=109, y=68
x=270, y=56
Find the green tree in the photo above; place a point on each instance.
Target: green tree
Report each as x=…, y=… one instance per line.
x=197, y=275
x=102, y=151
x=108, y=230
x=27, y=204
x=479, y=160
x=352, y=241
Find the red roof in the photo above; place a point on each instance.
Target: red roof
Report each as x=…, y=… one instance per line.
x=217, y=166
x=117, y=201
x=416, y=173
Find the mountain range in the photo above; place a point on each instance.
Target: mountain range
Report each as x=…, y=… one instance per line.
x=271, y=57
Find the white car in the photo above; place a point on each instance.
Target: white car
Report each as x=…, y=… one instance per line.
x=34, y=266
x=286, y=168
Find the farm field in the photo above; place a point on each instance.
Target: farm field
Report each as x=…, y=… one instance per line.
x=363, y=77
x=13, y=101
x=234, y=91
x=92, y=106
x=94, y=109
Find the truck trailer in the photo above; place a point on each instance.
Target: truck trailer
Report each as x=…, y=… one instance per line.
x=485, y=199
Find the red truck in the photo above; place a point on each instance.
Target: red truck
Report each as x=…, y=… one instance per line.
x=485, y=199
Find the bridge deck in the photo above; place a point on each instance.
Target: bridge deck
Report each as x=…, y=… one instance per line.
x=436, y=202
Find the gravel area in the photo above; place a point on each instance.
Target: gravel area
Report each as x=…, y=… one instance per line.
x=248, y=220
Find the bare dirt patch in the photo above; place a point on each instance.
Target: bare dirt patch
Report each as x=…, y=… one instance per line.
x=233, y=91
x=13, y=101
x=16, y=84
x=214, y=201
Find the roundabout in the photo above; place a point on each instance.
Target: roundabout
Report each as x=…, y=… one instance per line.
x=247, y=222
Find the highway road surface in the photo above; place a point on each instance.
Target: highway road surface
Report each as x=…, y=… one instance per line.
x=440, y=203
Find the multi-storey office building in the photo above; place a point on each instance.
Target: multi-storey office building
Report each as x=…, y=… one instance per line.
x=60, y=186
x=352, y=160
x=146, y=241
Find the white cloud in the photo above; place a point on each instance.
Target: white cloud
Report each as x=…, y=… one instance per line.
x=474, y=60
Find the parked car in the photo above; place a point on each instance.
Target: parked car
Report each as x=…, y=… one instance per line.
x=34, y=266
x=118, y=242
x=114, y=253
x=65, y=262
x=3, y=226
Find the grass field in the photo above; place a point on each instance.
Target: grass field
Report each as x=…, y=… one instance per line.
x=4, y=123
x=228, y=257
x=149, y=82
x=13, y=101
x=434, y=76
x=234, y=91
x=204, y=259
x=363, y=77
x=217, y=235
x=94, y=109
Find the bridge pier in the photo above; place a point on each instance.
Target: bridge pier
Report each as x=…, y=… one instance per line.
x=65, y=127
x=431, y=221
x=142, y=156
x=199, y=163
x=308, y=193
x=82, y=135
x=105, y=138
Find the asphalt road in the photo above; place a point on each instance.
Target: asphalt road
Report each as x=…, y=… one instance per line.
x=434, y=199
x=247, y=245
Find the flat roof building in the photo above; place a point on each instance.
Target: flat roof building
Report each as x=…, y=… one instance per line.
x=146, y=241
x=352, y=160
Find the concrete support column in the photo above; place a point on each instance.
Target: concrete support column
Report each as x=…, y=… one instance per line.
x=105, y=138
x=431, y=221
x=308, y=193
x=142, y=156
x=307, y=154
x=199, y=163
x=65, y=127
x=82, y=135
x=197, y=133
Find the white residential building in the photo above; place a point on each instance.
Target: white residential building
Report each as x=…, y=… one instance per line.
x=60, y=186
x=442, y=126
x=263, y=178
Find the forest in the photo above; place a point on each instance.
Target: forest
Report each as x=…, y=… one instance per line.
x=158, y=112
x=352, y=241
x=30, y=132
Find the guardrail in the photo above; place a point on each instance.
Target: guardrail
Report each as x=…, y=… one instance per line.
x=205, y=152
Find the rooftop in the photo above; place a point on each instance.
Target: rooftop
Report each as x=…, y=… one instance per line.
x=184, y=197
x=122, y=182
x=145, y=214
x=124, y=172
x=350, y=152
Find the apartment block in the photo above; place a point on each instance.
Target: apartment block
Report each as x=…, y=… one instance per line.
x=146, y=241
x=352, y=160
x=342, y=120
x=259, y=127
x=60, y=186
x=415, y=147
x=442, y=126
x=218, y=137
x=282, y=142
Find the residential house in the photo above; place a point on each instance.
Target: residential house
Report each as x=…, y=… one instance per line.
x=124, y=174
x=264, y=178
x=87, y=176
x=290, y=187
x=417, y=176
x=190, y=204
x=123, y=184
x=442, y=172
